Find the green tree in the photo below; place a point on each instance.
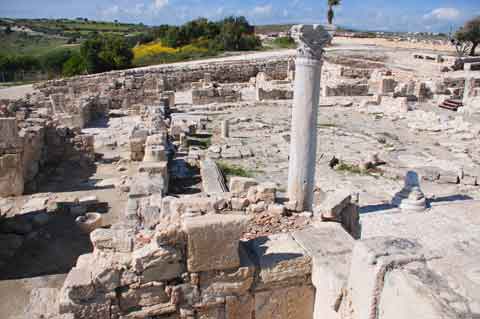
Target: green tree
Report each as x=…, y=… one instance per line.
x=470, y=32
x=106, y=52
x=330, y=12
x=74, y=66
x=52, y=62
x=90, y=51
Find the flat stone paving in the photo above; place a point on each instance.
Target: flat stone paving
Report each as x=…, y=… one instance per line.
x=450, y=236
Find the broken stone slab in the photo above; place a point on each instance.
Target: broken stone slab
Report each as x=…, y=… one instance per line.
x=239, y=186
x=78, y=285
x=276, y=209
x=239, y=203
x=239, y=307
x=289, y=302
x=144, y=185
x=117, y=240
x=213, y=240
x=372, y=260
x=407, y=293
x=221, y=283
x=143, y=296
x=152, y=311
x=34, y=205
x=331, y=208
x=212, y=178
x=157, y=263
x=446, y=178
x=330, y=247
x=154, y=168
x=280, y=260
x=266, y=192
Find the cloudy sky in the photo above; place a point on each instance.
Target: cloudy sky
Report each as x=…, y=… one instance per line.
x=389, y=15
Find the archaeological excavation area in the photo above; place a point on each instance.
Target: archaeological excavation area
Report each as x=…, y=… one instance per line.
x=335, y=181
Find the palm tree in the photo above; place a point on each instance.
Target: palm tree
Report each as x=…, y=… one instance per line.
x=330, y=13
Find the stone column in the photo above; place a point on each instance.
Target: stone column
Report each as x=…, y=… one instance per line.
x=225, y=129
x=467, y=91
x=303, y=146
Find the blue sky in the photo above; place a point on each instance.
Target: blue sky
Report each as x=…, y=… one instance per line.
x=393, y=15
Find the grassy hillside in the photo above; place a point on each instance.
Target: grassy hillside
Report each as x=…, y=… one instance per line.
x=68, y=27
x=18, y=43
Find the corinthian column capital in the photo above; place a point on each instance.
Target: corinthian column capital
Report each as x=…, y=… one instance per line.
x=311, y=39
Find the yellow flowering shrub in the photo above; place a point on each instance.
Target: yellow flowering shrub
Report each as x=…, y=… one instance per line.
x=151, y=49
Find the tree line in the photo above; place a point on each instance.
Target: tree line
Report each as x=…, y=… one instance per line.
x=102, y=52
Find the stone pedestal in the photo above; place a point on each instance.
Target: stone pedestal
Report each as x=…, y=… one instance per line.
x=303, y=146
x=411, y=197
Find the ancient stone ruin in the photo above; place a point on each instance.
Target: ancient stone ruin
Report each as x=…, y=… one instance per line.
x=311, y=184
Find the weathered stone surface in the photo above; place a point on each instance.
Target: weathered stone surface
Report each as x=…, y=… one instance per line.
x=119, y=240
x=281, y=261
x=221, y=283
x=145, y=295
x=276, y=209
x=371, y=260
x=239, y=307
x=266, y=192
x=212, y=178
x=79, y=285
x=11, y=175
x=239, y=186
x=331, y=208
x=213, y=241
x=291, y=303
x=239, y=203
x=42, y=304
x=157, y=263
x=330, y=247
x=215, y=311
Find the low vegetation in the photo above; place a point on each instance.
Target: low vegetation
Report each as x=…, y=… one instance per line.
x=45, y=49
x=200, y=141
x=284, y=43
x=357, y=170
x=234, y=170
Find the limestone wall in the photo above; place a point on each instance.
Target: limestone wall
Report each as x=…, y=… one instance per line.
x=144, y=85
x=33, y=143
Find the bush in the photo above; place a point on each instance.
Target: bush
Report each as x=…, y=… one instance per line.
x=106, y=52
x=284, y=42
x=74, y=66
x=52, y=62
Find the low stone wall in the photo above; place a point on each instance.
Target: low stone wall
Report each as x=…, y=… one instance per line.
x=213, y=94
x=33, y=144
x=346, y=89
x=144, y=85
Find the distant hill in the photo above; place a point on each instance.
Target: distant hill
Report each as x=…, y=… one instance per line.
x=70, y=27
x=38, y=36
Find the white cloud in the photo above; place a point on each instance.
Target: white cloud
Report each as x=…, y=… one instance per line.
x=443, y=14
x=159, y=4
x=263, y=10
